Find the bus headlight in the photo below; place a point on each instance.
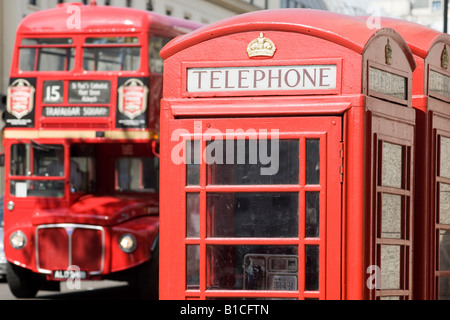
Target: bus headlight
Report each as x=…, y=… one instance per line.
x=10, y=206
x=127, y=243
x=18, y=240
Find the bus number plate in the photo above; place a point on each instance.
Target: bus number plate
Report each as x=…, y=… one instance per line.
x=69, y=274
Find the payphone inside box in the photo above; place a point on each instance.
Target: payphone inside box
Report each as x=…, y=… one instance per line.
x=270, y=272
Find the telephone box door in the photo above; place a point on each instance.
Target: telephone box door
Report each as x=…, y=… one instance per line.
x=258, y=213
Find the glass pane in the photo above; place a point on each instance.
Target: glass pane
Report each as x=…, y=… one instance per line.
x=193, y=162
x=1, y=212
x=111, y=59
x=312, y=161
x=252, y=161
x=388, y=83
x=83, y=175
x=391, y=214
x=444, y=203
x=136, y=174
x=38, y=188
x=50, y=59
x=155, y=61
x=49, y=162
x=253, y=214
x=444, y=288
x=112, y=40
x=390, y=267
x=392, y=165
x=37, y=160
x=27, y=59
x=438, y=82
x=46, y=41
x=56, y=59
x=312, y=268
x=79, y=174
x=444, y=250
x=193, y=215
x=312, y=212
x=445, y=157
x=193, y=266
x=252, y=267
x=20, y=160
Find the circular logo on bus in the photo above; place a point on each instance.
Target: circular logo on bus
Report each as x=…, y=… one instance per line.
x=133, y=95
x=20, y=98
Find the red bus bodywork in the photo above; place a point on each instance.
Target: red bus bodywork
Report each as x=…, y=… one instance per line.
x=85, y=83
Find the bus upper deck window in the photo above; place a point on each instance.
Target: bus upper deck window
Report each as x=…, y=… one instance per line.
x=155, y=60
x=112, y=54
x=46, y=54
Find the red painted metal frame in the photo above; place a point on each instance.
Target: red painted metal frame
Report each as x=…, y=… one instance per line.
x=328, y=130
x=426, y=46
x=301, y=37
x=398, y=131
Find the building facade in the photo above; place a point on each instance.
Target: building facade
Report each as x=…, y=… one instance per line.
x=425, y=12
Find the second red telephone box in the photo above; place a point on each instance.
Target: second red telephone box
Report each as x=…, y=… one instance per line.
x=431, y=100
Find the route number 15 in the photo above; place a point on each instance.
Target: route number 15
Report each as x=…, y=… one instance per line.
x=53, y=91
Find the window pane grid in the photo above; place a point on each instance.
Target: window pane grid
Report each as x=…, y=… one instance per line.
x=304, y=241
x=393, y=223
x=442, y=218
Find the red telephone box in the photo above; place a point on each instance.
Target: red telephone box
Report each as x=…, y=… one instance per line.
x=286, y=160
x=431, y=97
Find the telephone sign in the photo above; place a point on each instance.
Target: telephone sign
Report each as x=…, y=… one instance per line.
x=262, y=78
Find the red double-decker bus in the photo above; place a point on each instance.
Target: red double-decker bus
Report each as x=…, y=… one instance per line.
x=81, y=140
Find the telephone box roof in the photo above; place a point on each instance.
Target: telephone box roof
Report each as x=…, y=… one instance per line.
x=419, y=37
x=348, y=31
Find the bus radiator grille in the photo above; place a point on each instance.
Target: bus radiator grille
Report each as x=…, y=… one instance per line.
x=59, y=247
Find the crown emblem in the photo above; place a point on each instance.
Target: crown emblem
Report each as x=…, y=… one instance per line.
x=261, y=47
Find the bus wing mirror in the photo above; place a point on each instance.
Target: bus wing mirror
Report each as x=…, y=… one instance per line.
x=2, y=160
x=155, y=148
